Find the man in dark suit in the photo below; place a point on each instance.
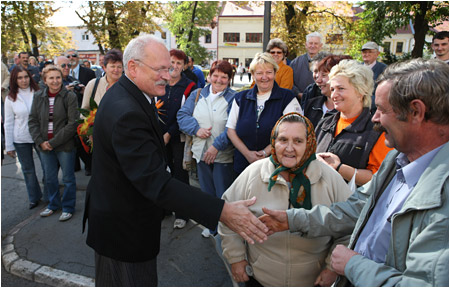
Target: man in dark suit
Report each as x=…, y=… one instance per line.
x=131, y=186
x=370, y=54
x=83, y=75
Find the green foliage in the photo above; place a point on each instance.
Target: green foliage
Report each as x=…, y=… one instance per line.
x=115, y=23
x=188, y=22
x=25, y=27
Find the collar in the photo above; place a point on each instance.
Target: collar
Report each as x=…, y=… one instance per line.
x=252, y=94
x=371, y=65
x=76, y=70
x=149, y=99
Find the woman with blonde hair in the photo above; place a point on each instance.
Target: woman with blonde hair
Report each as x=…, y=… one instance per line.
x=346, y=140
x=256, y=110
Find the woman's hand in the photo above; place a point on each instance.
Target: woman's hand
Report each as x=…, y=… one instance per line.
x=238, y=271
x=326, y=278
x=11, y=153
x=253, y=156
x=204, y=133
x=210, y=155
x=46, y=146
x=329, y=158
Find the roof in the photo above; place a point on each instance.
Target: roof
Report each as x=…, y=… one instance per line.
x=253, y=9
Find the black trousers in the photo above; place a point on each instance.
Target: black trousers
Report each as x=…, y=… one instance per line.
x=175, y=153
x=113, y=273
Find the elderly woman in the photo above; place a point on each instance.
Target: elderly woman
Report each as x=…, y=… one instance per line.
x=290, y=178
x=18, y=139
x=255, y=111
x=204, y=116
x=178, y=89
x=346, y=140
x=285, y=75
x=96, y=88
x=318, y=107
x=52, y=124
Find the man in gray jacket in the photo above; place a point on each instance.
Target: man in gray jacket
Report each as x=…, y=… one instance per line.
x=399, y=220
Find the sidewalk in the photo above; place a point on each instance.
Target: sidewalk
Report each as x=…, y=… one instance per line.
x=55, y=253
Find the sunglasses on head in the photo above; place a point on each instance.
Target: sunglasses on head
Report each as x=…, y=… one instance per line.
x=64, y=65
x=72, y=55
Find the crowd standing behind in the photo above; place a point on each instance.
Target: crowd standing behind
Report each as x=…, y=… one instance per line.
x=312, y=90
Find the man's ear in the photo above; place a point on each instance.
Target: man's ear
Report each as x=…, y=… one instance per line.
x=418, y=110
x=132, y=66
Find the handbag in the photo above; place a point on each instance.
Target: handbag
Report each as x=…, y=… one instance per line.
x=189, y=163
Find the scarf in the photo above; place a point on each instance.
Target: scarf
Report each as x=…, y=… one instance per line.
x=300, y=191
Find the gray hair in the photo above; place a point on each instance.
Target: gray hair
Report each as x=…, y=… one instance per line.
x=314, y=34
x=277, y=43
x=316, y=59
x=262, y=59
x=425, y=80
x=136, y=48
x=291, y=118
x=359, y=76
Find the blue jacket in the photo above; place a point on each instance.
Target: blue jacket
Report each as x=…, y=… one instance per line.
x=189, y=125
x=255, y=133
x=200, y=77
x=172, y=103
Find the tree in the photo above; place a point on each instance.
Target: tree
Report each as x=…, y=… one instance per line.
x=189, y=21
x=293, y=20
x=381, y=19
x=25, y=27
x=115, y=23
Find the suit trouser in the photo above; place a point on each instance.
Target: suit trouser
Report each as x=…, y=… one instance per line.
x=113, y=273
x=175, y=153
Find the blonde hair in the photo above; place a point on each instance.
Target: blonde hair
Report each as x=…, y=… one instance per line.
x=50, y=68
x=263, y=59
x=358, y=75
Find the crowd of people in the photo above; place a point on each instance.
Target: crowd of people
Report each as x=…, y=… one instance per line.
x=320, y=150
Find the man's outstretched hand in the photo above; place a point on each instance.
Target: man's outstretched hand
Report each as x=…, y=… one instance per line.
x=238, y=218
x=275, y=220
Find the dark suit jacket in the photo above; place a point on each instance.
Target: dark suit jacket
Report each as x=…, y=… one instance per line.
x=85, y=75
x=130, y=185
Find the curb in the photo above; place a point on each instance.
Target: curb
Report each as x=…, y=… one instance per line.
x=36, y=272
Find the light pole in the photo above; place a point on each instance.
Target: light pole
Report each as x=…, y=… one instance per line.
x=267, y=16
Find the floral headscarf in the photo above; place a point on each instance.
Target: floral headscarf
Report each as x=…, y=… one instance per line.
x=300, y=194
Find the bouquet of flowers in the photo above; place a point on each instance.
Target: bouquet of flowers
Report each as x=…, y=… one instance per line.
x=86, y=126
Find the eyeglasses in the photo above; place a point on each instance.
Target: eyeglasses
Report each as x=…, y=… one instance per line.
x=64, y=65
x=73, y=55
x=276, y=52
x=159, y=71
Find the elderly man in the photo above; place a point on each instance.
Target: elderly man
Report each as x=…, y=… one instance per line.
x=440, y=45
x=302, y=72
x=131, y=185
x=82, y=74
x=370, y=54
x=400, y=218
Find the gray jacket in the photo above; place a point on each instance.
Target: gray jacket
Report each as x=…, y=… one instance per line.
x=418, y=254
x=65, y=114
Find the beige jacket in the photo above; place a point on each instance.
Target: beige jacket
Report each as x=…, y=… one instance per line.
x=101, y=90
x=285, y=259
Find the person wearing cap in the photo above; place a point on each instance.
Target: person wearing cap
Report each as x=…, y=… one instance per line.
x=370, y=54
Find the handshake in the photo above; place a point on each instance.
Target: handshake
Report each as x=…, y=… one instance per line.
x=238, y=218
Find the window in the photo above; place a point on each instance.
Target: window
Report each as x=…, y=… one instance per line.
x=231, y=37
x=387, y=47
x=163, y=35
x=208, y=38
x=253, y=37
x=335, y=39
x=85, y=37
x=399, y=48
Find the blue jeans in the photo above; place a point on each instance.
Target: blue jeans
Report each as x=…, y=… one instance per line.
x=215, y=178
x=25, y=154
x=52, y=160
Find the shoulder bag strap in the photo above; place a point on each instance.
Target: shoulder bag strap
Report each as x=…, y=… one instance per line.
x=95, y=87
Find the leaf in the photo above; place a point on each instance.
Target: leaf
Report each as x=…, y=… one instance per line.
x=84, y=112
x=92, y=103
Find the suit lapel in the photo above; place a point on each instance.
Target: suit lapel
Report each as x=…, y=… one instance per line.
x=146, y=107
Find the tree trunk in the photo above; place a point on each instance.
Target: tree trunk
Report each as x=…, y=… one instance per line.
x=192, y=25
x=289, y=14
x=113, y=31
x=421, y=28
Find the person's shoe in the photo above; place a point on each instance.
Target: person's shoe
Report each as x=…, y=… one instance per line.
x=179, y=223
x=206, y=233
x=65, y=216
x=47, y=212
x=33, y=205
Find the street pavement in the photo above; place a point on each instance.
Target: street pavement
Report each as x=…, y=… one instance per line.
x=54, y=253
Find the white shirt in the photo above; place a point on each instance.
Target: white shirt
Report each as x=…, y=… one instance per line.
x=75, y=72
x=293, y=106
x=16, y=119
